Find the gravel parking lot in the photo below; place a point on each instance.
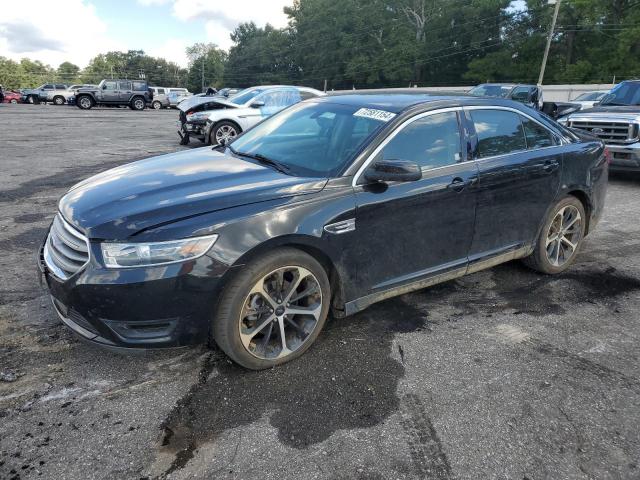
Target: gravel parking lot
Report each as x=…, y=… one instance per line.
x=503, y=374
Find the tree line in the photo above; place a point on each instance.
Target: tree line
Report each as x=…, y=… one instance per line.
x=389, y=43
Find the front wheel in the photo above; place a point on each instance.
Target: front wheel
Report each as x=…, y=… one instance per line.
x=156, y=105
x=137, y=103
x=273, y=310
x=58, y=100
x=84, y=102
x=13, y=100
x=560, y=237
x=223, y=133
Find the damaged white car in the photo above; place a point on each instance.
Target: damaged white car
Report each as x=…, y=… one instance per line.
x=216, y=119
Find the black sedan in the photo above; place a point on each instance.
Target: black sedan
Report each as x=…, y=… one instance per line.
x=330, y=205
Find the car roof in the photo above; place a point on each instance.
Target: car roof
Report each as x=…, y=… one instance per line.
x=265, y=87
x=399, y=101
x=498, y=84
x=393, y=101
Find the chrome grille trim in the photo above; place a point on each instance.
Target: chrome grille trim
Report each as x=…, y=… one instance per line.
x=66, y=250
x=610, y=132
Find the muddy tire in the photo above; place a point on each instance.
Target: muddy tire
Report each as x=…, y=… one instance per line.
x=560, y=238
x=273, y=310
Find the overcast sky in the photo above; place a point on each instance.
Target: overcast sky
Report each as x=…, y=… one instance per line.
x=76, y=30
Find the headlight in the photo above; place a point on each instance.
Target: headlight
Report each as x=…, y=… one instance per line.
x=123, y=255
x=563, y=121
x=198, y=116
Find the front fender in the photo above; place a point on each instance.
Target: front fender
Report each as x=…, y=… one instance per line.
x=249, y=229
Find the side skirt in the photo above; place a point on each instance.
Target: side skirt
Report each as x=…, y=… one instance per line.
x=361, y=303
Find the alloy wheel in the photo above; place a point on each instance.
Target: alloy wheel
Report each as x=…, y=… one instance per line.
x=564, y=235
x=138, y=104
x=225, y=134
x=157, y=105
x=85, y=102
x=280, y=312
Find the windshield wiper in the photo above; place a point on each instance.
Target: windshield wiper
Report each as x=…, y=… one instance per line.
x=282, y=168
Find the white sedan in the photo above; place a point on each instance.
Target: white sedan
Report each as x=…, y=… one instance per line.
x=217, y=119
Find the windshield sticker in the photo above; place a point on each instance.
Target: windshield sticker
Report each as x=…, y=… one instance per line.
x=374, y=114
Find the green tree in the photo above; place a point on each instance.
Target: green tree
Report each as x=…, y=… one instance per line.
x=132, y=65
x=260, y=56
x=206, y=67
x=67, y=73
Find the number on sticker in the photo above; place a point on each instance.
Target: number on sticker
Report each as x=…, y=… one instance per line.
x=374, y=114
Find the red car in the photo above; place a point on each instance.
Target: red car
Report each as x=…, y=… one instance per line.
x=11, y=96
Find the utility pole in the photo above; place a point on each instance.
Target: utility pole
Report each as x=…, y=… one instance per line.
x=549, y=38
x=202, y=73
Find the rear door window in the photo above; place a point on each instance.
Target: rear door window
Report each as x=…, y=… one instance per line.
x=280, y=98
x=500, y=132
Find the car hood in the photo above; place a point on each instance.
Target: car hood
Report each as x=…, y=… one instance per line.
x=126, y=200
x=191, y=102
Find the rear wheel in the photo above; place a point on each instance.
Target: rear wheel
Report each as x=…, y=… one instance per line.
x=84, y=102
x=138, y=103
x=273, y=310
x=13, y=100
x=58, y=100
x=560, y=238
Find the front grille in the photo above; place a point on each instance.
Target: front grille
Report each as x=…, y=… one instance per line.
x=609, y=132
x=66, y=250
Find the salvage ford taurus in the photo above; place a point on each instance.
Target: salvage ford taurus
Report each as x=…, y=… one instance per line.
x=330, y=205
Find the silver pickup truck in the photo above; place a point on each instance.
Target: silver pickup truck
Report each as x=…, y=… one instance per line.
x=616, y=121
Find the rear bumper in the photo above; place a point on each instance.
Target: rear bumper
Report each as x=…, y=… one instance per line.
x=625, y=157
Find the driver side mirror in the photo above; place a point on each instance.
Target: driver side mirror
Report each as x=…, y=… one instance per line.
x=393, y=171
x=104, y=87
x=257, y=104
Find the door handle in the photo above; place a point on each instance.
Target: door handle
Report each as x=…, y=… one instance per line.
x=550, y=165
x=457, y=184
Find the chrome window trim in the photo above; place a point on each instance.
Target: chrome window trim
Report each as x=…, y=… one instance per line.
x=520, y=112
x=391, y=136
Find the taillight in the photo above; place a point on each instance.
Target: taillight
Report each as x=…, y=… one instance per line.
x=608, y=155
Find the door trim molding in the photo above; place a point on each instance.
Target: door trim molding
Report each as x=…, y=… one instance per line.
x=361, y=303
